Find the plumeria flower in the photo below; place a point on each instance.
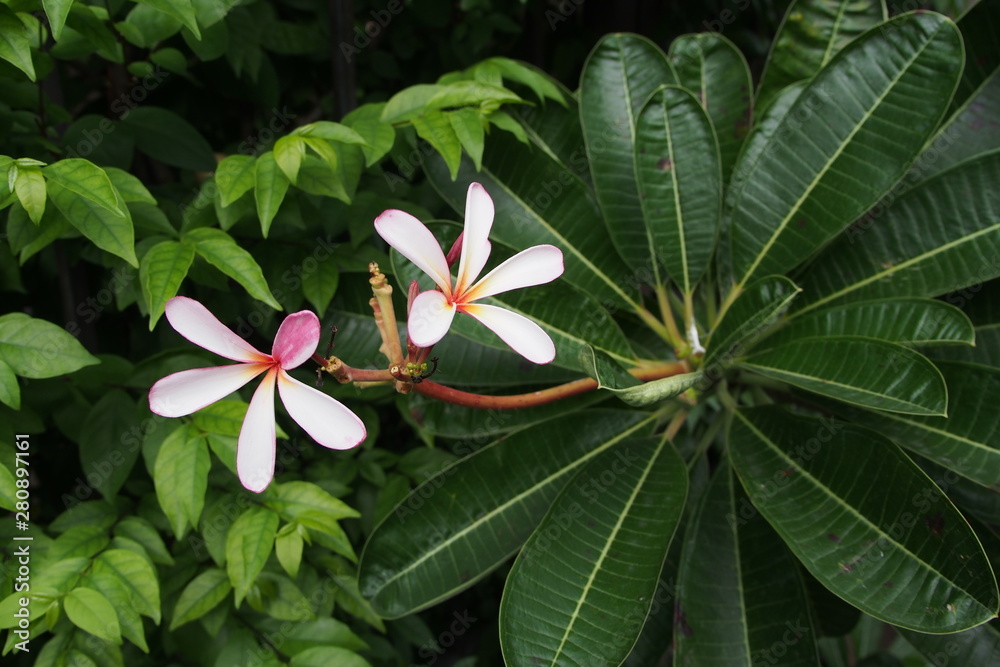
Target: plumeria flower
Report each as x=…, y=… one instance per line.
x=432, y=312
x=327, y=421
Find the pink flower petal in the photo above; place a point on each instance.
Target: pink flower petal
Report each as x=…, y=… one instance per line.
x=296, y=339
x=255, y=449
x=189, y=391
x=430, y=318
x=479, y=212
x=193, y=321
x=524, y=336
x=415, y=242
x=325, y=420
x=535, y=266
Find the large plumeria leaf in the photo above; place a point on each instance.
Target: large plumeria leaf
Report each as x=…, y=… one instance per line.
x=539, y=200
x=270, y=186
x=896, y=549
x=467, y=520
x=680, y=183
x=858, y=142
x=976, y=646
x=739, y=593
x=596, y=556
x=161, y=272
x=556, y=130
x=910, y=321
x=812, y=32
x=248, y=545
x=912, y=247
x=980, y=26
x=711, y=67
x=181, y=477
x=35, y=348
x=968, y=440
x=751, y=314
x=618, y=77
x=221, y=251
x=863, y=371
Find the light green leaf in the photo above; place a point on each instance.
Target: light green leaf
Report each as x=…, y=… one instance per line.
x=317, y=178
x=611, y=538
x=221, y=251
x=222, y=417
x=248, y=546
x=468, y=126
x=142, y=531
x=460, y=525
x=57, y=11
x=899, y=551
x=106, y=453
x=15, y=46
x=108, y=584
x=329, y=131
x=620, y=74
x=200, y=596
x=408, y=102
x=270, y=186
x=324, y=656
x=781, y=216
x=182, y=10
x=86, y=179
x=863, y=371
x=435, y=128
x=30, y=189
x=109, y=229
x=93, y=25
x=92, y=612
x=136, y=576
x=753, y=311
x=309, y=505
x=378, y=136
x=655, y=391
x=164, y=135
x=813, y=31
x=288, y=153
x=234, y=176
x=506, y=122
x=38, y=349
x=161, y=272
x=8, y=486
x=541, y=84
x=128, y=186
x=180, y=474
x=288, y=548
x=680, y=183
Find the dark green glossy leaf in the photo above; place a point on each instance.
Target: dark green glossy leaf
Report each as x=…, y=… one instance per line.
x=977, y=646
x=897, y=549
x=106, y=452
x=751, y=314
x=164, y=135
x=587, y=575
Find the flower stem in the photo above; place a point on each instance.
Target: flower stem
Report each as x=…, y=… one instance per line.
x=385, y=315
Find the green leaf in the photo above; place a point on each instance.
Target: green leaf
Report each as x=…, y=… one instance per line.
x=506, y=122
x=863, y=371
x=136, y=576
x=324, y=656
x=320, y=632
x=234, y=176
x=468, y=126
x=813, y=32
x=92, y=24
x=288, y=153
x=320, y=284
x=739, y=590
x=911, y=65
x=142, y=531
x=109, y=229
x=86, y=179
x=221, y=251
x=435, y=128
x=57, y=11
x=288, y=549
x=128, y=186
x=595, y=558
x=110, y=586
x=654, y=391
x=248, y=546
x=976, y=646
x=106, y=452
x=30, y=189
x=15, y=46
x=161, y=272
x=753, y=311
x=92, y=612
x=329, y=131
x=463, y=523
x=270, y=186
x=309, y=505
x=200, y=596
x=680, y=183
x=224, y=417
x=982, y=58
x=409, y=102
x=10, y=391
x=620, y=74
x=38, y=349
x=541, y=84
x=910, y=321
x=899, y=551
x=377, y=135
x=912, y=247
x=164, y=135
x=711, y=67
x=180, y=474
x=182, y=10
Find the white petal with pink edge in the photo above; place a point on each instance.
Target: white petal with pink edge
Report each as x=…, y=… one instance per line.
x=325, y=420
x=429, y=319
x=479, y=213
x=255, y=448
x=524, y=336
x=296, y=339
x=415, y=242
x=535, y=266
x=185, y=392
x=193, y=321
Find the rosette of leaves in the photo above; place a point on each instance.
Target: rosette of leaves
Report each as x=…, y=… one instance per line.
x=821, y=249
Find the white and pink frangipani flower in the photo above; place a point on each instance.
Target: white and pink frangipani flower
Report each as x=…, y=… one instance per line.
x=432, y=312
x=328, y=422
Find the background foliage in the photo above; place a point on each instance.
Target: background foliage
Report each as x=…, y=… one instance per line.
x=238, y=152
